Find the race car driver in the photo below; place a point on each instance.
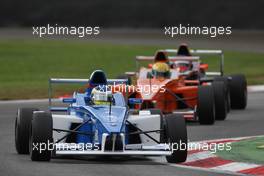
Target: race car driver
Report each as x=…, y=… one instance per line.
x=101, y=95
x=161, y=70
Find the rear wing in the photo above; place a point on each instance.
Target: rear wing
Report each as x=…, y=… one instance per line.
x=171, y=58
x=198, y=52
x=206, y=52
x=53, y=81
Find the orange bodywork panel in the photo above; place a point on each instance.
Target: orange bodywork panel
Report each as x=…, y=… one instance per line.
x=163, y=94
x=168, y=101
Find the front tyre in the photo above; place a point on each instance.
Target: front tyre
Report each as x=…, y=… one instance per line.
x=176, y=136
x=41, y=137
x=22, y=129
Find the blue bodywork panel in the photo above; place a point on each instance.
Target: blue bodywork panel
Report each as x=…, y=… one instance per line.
x=101, y=120
x=98, y=119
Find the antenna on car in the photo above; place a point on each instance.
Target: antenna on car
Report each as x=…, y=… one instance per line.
x=110, y=106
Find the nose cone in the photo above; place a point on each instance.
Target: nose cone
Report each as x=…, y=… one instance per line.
x=148, y=88
x=114, y=121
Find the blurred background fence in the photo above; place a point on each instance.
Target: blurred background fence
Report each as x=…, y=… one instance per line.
x=240, y=14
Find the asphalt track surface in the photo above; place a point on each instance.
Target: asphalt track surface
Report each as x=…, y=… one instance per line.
x=238, y=124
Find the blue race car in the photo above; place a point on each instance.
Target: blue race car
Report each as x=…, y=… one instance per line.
x=99, y=122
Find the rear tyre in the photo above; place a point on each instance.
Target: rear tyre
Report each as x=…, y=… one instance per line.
x=226, y=82
x=238, y=91
x=176, y=136
x=41, y=136
x=206, y=105
x=22, y=129
x=220, y=97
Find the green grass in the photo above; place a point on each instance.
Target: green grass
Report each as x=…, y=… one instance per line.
x=26, y=65
x=245, y=151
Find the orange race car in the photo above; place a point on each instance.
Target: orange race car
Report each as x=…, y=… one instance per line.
x=172, y=85
x=236, y=84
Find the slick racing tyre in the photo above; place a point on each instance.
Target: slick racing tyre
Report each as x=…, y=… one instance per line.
x=221, y=102
x=238, y=91
x=206, y=105
x=176, y=135
x=22, y=129
x=41, y=137
x=225, y=79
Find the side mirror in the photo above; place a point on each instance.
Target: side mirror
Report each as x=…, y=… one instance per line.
x=134, y=101
x=69, y=100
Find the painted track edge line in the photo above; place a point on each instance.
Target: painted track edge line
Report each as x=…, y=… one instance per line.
x=255, y=88
x=207, y=169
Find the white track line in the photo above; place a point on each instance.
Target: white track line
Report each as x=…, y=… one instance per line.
x=229, y=168
x=256, y=88
x=199, y=156
x=206, y=169
x=235, y=166
x=226, y=139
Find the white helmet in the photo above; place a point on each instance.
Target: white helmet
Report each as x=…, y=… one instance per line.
x=183, y=66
